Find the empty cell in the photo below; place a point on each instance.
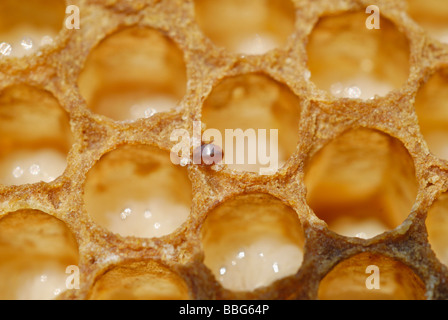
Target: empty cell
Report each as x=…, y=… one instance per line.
x=252, y=240
x=431, y=105
x=246, y=26
x=349, y=60
x=35, y=251
x=132, y=74
x=143, y=280
x=369, y=276
x=362, y=183
x=26, y=26
x=137, y=191
x=35, y=136
x=432, y=15
x=252, y=103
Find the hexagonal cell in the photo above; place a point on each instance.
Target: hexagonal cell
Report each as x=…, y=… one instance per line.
x=362, y=183
x=137, y=191
x=437, y=226
x=252, y=240
x=35, y=136
x=246, y=26
x=431, y=105
x=253, y=103
x=369, y=276
x=432, y=15
x=25, y=26
x=35, y=250
x=349, y=60
x=143, y=280
x=133, y=73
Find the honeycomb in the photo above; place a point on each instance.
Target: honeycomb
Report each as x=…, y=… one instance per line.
x=88, y=186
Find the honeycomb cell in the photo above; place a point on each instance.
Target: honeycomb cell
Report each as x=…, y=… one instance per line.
x=432, y=15
x=246, y=26
x=437, y=227
x=349, y=60
x=137, y=191
x=133, y=73
x=362, y=183
x=25, y=26
x=371, y=277
x=431, y=105
x=253, y=103
x=252, y=240
x=143, y=280
x=35, y=136
x=35, y=250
